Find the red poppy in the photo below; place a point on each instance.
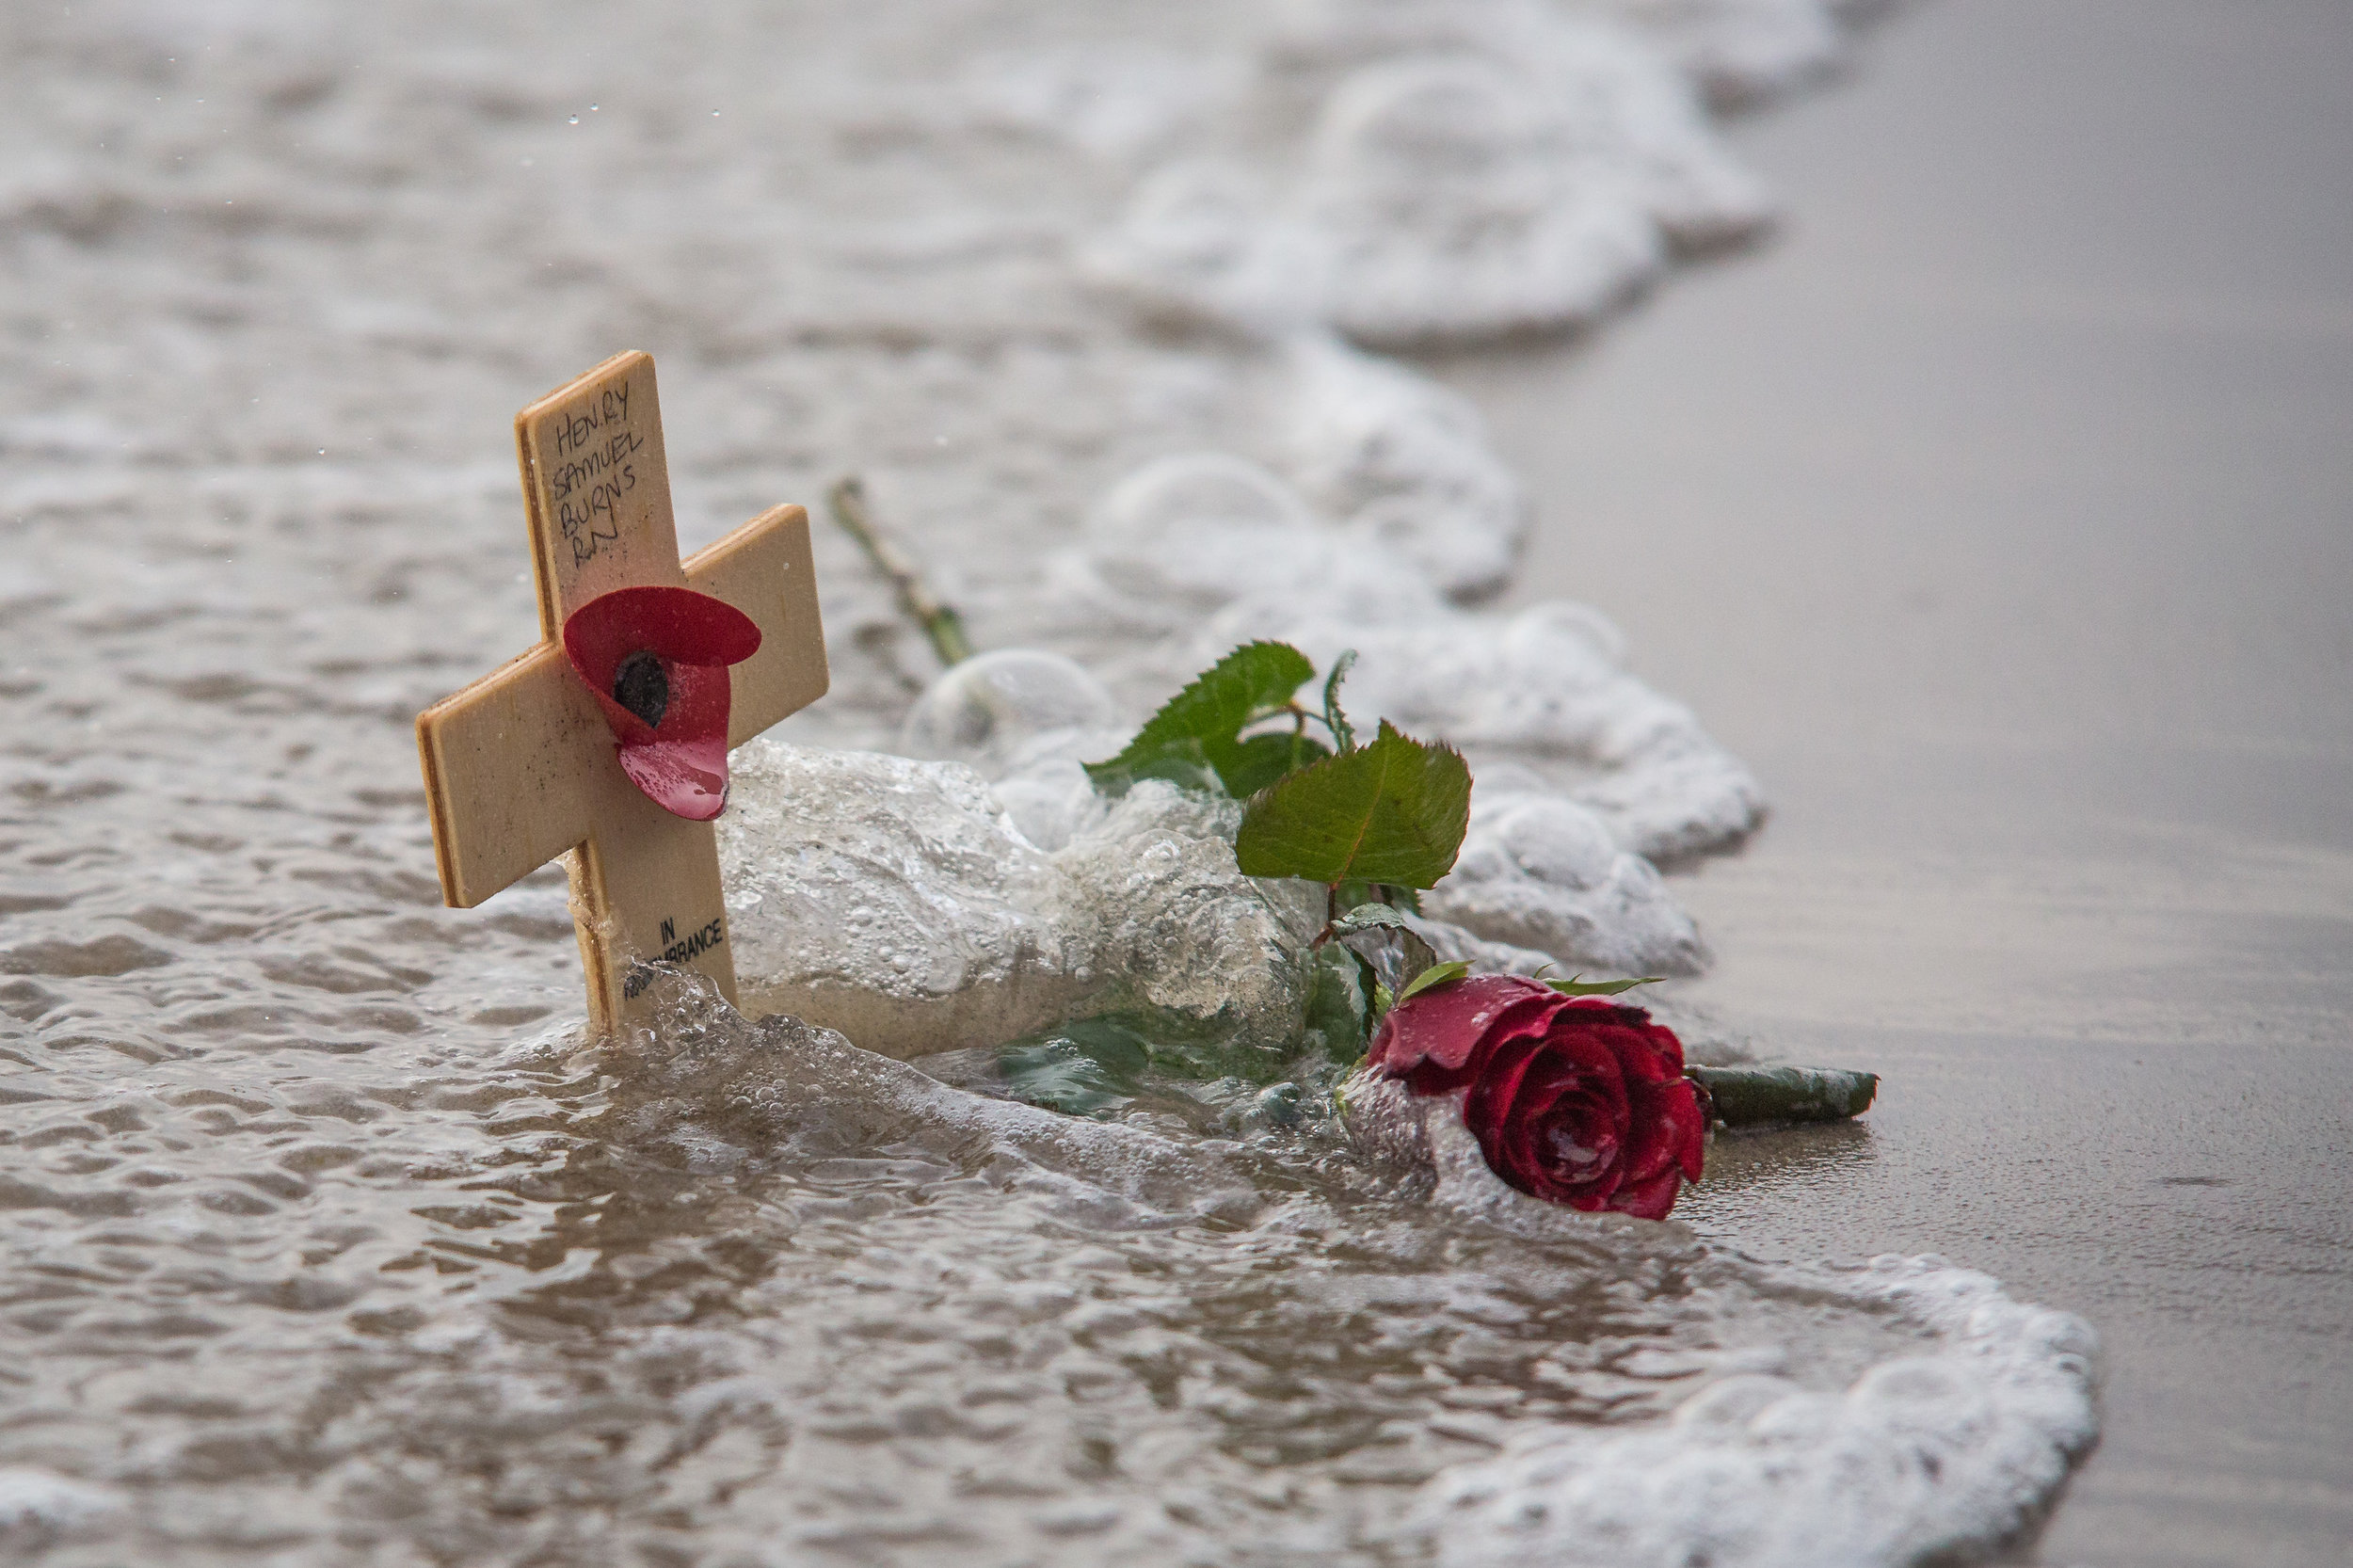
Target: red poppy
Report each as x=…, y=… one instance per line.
x=1572, y=1099
x=656, y=659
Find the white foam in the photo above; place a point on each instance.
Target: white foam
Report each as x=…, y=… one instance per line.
x=891, y=900
x=38, y=1507
x=1188, y=532
x=1405, y=463
x=1537, y=870
x=1541, y=682
x=993, y=705
x=1112, y=101
x=1400, y=509
x=1482, y=168
x=1202, y=239
x=1740, y=51
x=1950, y=1449
x=1453, y=207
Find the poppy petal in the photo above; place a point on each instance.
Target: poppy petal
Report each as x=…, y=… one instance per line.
x=680, y=762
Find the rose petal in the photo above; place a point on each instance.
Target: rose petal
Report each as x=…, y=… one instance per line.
x=1648, y=1200
x=1525, y=1021
x=1691, y=1130
x=1592, y=1116
x=1582, y=1122
x=1516, y=1146
x=1488, y=1106
x=1444, y=1024
x=1669, y=1132
x=1645, y=1051
x=1530, y=1093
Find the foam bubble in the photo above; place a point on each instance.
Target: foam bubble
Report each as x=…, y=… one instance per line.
x=1201, y=239
x=1538, y=683
x=1406, y=463
x=1540, y=872
x=1452, y=209
x=994, y=704
x=1940, y=1453
x=1190, y=532
x=1113, y=101
x=889, y=899
x=1480, y=168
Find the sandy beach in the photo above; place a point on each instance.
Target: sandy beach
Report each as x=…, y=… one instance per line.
x=2004, y=502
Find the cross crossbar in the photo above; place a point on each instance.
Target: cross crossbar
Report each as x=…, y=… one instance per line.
x=519, y=767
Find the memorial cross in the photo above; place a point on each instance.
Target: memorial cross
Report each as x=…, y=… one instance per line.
x=522, y=767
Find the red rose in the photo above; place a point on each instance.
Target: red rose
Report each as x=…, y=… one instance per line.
x=1572, y=1099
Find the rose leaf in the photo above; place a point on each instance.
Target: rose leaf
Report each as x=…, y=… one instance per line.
x=1573, y=987
x=1437, y=974
x=1245, y=767
x=1343, y=734
x=1393, y=812
x=1754, y=1097
x=1379, y=935
x=1198, y=730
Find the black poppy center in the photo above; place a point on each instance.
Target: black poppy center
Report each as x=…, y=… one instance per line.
x=643, y=686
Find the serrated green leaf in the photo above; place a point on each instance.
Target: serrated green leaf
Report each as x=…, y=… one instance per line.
x=1393, y=811
x=1245, y=767
x=1203, y=723
x=1436, y=975
x=1185, y=765
x=1343, y=735
x=1572, y=987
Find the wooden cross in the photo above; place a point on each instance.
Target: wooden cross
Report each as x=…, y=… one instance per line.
x=520, y=768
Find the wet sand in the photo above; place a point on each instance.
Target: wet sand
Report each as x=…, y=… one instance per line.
x=2001, y=514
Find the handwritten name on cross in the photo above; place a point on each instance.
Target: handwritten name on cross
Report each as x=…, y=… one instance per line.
x=522, y=766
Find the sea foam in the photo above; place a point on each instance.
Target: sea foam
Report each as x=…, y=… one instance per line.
x=1941, y=1451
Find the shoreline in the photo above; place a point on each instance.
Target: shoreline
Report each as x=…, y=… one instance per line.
x=2004, y=521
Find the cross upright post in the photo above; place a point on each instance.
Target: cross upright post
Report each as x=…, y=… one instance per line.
x=520, y=767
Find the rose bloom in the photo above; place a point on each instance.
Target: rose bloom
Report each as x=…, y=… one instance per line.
x=1572, y=1099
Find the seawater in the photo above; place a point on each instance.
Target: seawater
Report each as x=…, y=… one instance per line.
x=329, y=1240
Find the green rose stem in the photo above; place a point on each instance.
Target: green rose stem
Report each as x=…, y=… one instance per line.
x=941, y=624
x=1754, y=1096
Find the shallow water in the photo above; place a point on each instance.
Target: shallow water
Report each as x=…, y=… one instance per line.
x=329, y=1241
